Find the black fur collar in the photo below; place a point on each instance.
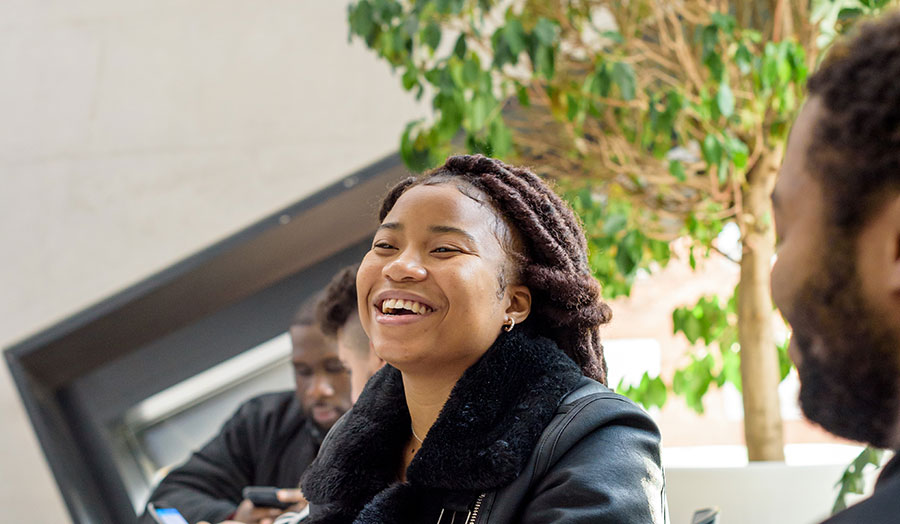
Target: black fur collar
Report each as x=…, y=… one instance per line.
x=480, y=441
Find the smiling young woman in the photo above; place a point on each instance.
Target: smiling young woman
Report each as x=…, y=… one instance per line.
x=492, y=407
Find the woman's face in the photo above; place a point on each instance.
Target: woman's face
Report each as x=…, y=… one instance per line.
x=429, y=290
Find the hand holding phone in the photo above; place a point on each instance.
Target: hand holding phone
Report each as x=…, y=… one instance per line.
x=265, y=497
x=165, y=515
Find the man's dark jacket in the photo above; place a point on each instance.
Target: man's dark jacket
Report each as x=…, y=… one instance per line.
x=883, y=506
x=523, y=438
x=267, y=442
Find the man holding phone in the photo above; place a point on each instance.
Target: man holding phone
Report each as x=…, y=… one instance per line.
x=269, y=441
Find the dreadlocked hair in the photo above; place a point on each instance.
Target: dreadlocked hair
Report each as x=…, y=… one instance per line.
x=855, y=151
x=548, y=254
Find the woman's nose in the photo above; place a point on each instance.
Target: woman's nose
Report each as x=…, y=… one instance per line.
x=405, y=267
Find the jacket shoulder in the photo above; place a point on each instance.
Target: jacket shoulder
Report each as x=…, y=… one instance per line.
x=591, y=408
x=597, y=461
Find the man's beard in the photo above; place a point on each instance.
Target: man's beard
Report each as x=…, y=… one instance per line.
x=850, y=384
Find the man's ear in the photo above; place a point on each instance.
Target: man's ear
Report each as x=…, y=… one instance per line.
x=519, y=305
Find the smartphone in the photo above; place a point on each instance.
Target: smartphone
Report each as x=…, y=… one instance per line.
x=264, y=497
x=164, y=515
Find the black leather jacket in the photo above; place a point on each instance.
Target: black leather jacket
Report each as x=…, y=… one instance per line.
x=593, y=431
x=524, y=437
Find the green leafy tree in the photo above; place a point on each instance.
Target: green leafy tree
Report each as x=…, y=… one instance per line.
x=657, y=119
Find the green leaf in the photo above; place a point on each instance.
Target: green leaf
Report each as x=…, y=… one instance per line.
x=744, y=59
x=501, y=138
x=410, y=79
x=623, y=76
x=628, y=253
x=712, y=150
x=716, y=66
x=784, y=359
x=514, y=34
x=545, y=31
x=769, y=73
x=454, y=68
x=737, y=151
x=545, y=61
x=471, y=71
x=655, y=392
x=431, y=35
x=602, y=81
x=522, y=95
x=614, y=223
x=677, y=170
x=361, y=21
x=650, y=392
x=479, y=109
x=849, y=13
x=449, y=6
x=725, y=100
x=571, y=107
x=502, y=53
x=666, y=120
x=459, y=50
x=852, y=479
x=709, y=38
x=731, y=368
x=615, y=36
x=450, y=115
x=724, y=22
x=415, y=151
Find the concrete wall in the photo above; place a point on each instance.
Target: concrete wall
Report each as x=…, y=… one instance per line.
x=135, y=133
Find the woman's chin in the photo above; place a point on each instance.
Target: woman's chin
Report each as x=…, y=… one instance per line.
x=397, y=354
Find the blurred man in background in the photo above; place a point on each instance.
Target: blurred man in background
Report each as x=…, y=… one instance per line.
x=837, y=276
x=269, y=441
x=338, y=317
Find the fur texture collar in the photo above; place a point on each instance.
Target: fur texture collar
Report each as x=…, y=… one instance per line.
x=480, y=442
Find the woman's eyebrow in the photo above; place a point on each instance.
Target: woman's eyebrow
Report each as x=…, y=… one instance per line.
x=393, y=226
x=454, y=230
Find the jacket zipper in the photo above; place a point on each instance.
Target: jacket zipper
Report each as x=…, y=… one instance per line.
x=473, y=515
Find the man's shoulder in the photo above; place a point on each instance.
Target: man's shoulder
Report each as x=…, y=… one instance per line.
x=278, y=405
x=882, y=507
x=273, y=399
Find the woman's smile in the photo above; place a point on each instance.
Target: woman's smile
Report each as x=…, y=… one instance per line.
x=397, y=308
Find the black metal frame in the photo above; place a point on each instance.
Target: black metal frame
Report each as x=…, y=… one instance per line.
x=81, y=374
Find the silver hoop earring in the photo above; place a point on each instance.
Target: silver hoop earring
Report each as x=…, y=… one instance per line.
x=508, y=325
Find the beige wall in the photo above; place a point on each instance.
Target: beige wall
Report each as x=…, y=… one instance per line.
x=135, y=133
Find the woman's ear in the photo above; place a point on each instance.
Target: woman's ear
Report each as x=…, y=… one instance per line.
x=519, y=305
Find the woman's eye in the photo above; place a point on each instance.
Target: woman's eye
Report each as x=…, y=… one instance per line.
x=382, y=245
x=445, y=249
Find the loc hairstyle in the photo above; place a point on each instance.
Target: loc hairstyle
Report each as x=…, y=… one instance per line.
x=550, y=253
x=855, y=150
x=339, y=301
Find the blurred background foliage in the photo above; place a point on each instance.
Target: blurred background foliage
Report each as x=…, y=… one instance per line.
x=657, y=120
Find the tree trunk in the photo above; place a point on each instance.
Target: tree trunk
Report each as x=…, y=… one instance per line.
x=759, y=357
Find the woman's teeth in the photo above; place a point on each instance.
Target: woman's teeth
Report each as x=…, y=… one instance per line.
x=395, y=306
